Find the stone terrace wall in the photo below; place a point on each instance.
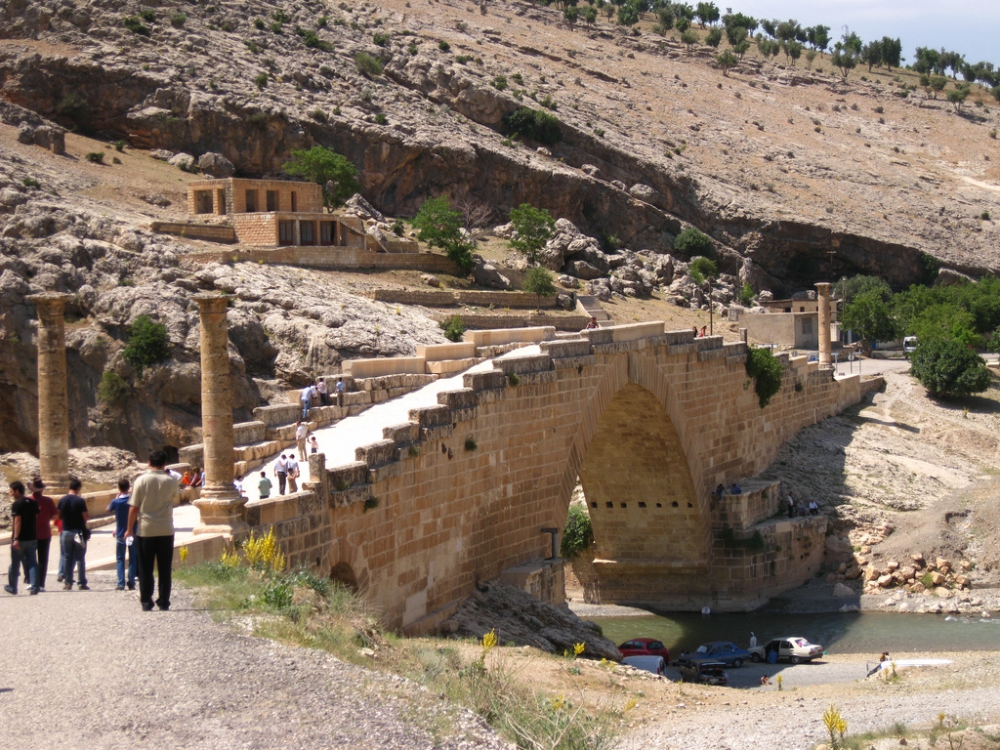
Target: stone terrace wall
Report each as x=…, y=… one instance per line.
x=332, y=258
x=512, y=300
x=207, y=232
x=571, y=323
x=460, y=493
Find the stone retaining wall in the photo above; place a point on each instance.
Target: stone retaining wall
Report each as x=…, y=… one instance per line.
x=207, y=232
x=332, y=258
x=479, y=298
x=572, y=323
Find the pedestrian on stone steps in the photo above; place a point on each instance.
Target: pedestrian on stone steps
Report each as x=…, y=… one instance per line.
x=43, y=528
x=281, y=472
x=340, y=391
x=324, y=398
x=152, y=507
x=73, y=539
x=293, y=473
x=24, y=544
x=313, y=444
x=264, y=486
x=120, y=508
x=301, y=431
x=306, y=398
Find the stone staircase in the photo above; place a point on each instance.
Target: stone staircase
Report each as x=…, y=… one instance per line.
x=591, y=307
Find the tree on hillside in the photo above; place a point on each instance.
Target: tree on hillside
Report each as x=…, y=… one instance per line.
x=792, y=50
x=336, y=173
x=851, y=41
x=844, y=59
x=148, y=344
x=957, y=97
x=707, y=13
x=869, y=316
x=937, y=84
x=665, y=19
x=736, y=34
x=925, y=60
x=860, y=284
x=589, y=15
x=691, y=243
x=949, y=368
x=533, y=227
x=819, y=37
x=682, y=24
x=628, y=15
x=734, y=20
x=689, y=38
x=786, y=31
x=726, y=60
x=945, y=321
x=892, y=51
x=439, y=225
x=571, y=13
x=871, y=55
x=538, y=281
x=714, y=37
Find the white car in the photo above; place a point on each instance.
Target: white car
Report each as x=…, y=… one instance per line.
x=654, y=664
x=794, y=648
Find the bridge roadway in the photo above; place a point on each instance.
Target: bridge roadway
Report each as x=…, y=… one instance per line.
x=339, y=441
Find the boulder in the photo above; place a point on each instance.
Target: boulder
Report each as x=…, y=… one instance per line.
x=840, y=590
x=568, y=281
x=852, y=572
x=871, y=573
x=908, y=571
x=885, y=581
x=356, y=204
x=216, y=165
x=431, y=280
x=12, y=198
x=182, y=161
x=600, y=288
x=161, y=154
x=566, y=242
x=963, y=581
x=937, y=578
x=891, y=566
x=942, y=593
x=519, y=618
x=487, y=275
x=590, y=169
x=26, y=134
x=642, y=192
x=581, y=269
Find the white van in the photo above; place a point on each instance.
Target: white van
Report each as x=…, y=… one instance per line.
x=909, y=344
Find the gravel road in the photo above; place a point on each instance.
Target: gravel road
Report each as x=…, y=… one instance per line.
x=111, y=676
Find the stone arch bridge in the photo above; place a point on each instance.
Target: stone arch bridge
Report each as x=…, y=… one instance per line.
x=649, y=421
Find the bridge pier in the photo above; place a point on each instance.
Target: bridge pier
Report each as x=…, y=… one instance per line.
x=220, y=506
x=53, y=403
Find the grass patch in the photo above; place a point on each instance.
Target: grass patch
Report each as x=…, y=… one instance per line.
x=303, y=609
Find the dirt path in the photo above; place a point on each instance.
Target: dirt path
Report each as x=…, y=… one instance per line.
x=114, y=676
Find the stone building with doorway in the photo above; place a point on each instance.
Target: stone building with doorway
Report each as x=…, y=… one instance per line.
x=274, y=213
x=790, y=323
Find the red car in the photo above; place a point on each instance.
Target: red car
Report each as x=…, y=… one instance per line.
x=645, y=647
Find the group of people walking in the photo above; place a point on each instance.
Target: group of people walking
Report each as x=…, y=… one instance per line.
x=315, y=394
x=144, y=534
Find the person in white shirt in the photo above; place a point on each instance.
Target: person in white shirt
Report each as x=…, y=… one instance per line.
x=340, y=391
x=306, y=398
x=281, y=472
x=301, y=432
x=321, y=390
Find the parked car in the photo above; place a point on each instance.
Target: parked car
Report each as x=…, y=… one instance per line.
x=794, y=648
x=726, y=652
x=645, y=647
x=909, y=345
x=654, y=664
x=705, y=672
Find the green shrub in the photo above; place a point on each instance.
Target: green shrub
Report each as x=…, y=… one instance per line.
x=177, y=20
x=439, y=225
x=691, y=242
x=534, y=124
x=949, y=368
x=261, y=80
x=578, y=534
x=453, y=328
x=381, y=38
x=324, y=166
x=119, y=146
x=95, y=157
x=280, y=16
x=765, y=370
x=367, y=65
x=136, y=26
x=533, y=227
x=470, y=444
x=539, y=281
x=258, y=23
x=147, y=15
x=113, y=389
x=148, y=344
x=444, y=46
x=499, y=83
x=381, y=119
x=746, y=295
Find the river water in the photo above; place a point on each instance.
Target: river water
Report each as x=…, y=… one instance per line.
x=838, y=633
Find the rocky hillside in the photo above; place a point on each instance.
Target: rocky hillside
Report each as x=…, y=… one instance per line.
x=56, y=233
x=779, y=165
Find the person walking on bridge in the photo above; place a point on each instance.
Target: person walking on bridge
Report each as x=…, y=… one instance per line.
x=120, y=509
x=73, y=540
x=23, y=545
x=152, y=506
x=301, y=432
x=43, y=528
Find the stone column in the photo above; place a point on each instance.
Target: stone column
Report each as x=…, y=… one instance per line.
x=823, y=300
x=53, y=403
x=220, y=506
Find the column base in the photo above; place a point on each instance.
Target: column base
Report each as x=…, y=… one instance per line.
x=221, y=513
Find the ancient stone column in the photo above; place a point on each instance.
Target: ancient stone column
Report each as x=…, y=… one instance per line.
x=53, y=404
x=221, y=507
x=823, y=300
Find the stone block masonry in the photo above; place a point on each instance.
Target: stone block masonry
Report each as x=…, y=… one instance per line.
x=331, y=258
x=650, y=421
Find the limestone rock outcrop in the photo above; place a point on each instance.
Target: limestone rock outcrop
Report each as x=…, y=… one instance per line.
x=519, y=618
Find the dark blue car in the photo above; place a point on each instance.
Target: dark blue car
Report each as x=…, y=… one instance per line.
x=726, y=652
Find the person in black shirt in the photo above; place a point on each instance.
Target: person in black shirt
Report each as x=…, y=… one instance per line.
x=24, y=542
x=74, y=515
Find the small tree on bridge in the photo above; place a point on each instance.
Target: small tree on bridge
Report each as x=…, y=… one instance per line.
x=538, y=281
